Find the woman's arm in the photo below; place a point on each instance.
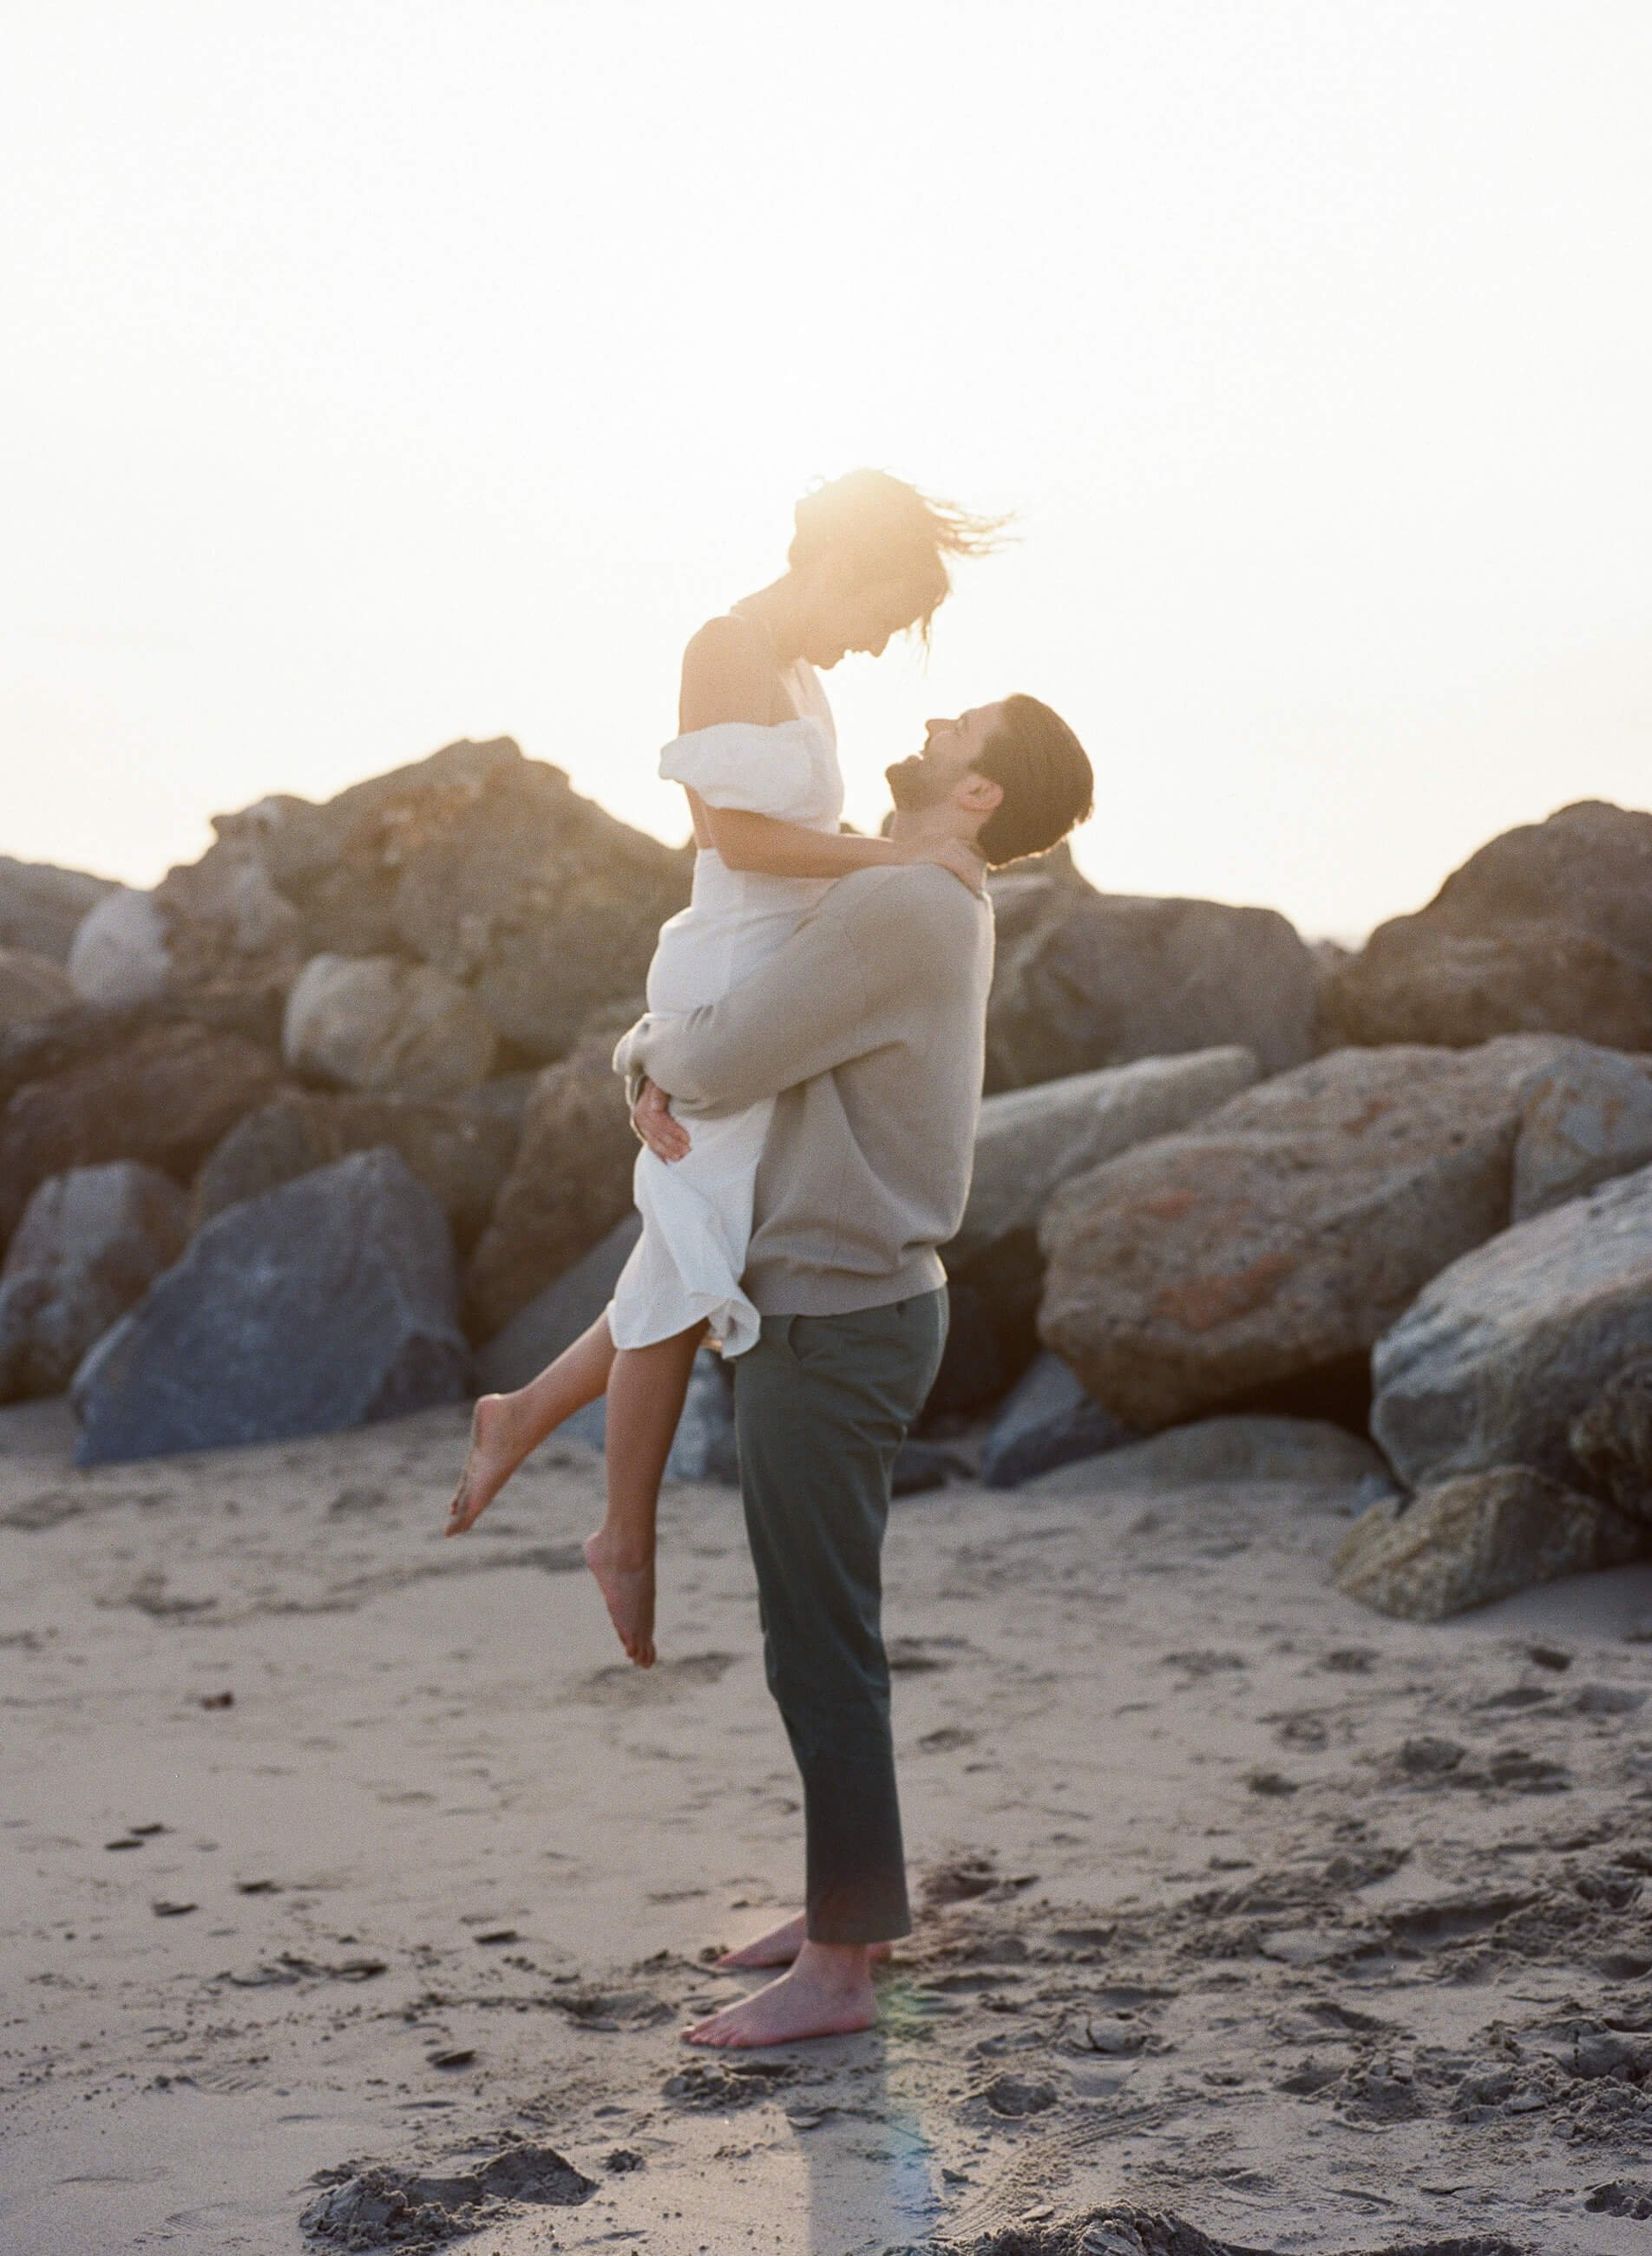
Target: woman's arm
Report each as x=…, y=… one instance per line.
x=788, y=850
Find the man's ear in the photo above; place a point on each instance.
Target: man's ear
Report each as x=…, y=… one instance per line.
x=979, y=794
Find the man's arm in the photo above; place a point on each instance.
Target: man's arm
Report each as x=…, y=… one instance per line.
x=825, y=997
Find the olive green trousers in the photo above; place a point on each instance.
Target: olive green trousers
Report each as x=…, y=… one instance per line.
x=822, y=1404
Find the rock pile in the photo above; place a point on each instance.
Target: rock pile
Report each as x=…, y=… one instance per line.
x=284, y=1141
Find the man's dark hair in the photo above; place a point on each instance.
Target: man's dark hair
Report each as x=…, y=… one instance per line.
x=1048, y=786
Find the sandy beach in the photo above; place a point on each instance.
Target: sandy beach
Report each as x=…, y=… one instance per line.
x=331, y=1845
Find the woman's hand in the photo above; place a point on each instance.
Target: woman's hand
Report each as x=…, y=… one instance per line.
x=963, y=861
x=650, y=1116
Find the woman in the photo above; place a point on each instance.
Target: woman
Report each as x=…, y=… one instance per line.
x=756, y=753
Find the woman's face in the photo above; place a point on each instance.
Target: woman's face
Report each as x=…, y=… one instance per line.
x=847, y=612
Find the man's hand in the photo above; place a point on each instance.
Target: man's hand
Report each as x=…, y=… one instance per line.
x=650, y=1116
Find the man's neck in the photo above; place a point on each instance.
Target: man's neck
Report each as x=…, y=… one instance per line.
x=928, y=825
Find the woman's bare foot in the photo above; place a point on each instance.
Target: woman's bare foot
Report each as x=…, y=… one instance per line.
x=628, y=1592
x=827, y=1993
x=497, y=1447
x=780, y=1945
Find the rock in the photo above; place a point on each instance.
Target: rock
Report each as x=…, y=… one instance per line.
x=1478, y=1537
x=1087, y=979
x=1611, y=1440
x=324, y=1304
x=1548, y=927
x=119, y=954
x=1588, y=1118
x=461, y=1150
x=375, y=1022
x=32, y=987
x=920, y=1466
x=981, y=1359
x=1267, y=1246
x=1229, y=1452
x=224, y=909
x=1048, y=1421
x=704, y=1448
x=555, y=1318
x=491, y=867
x=165, y=1094
x=41, y=906
x=1032, y=1141
x=89, y=1243
x=1497, y=1357
x=569, y=1185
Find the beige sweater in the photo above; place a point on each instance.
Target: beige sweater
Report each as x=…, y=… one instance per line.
x=868, y=1027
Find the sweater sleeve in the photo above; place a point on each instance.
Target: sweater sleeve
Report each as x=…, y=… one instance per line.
x=840, y=987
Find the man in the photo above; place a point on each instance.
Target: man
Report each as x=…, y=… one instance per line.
x=868, y=1027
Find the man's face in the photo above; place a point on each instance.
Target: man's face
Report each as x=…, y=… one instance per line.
x=951, y=750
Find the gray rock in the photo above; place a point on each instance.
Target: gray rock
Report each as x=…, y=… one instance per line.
x=377, y=1023
x=1548, y=926
x=1476, y=1538
x=324, y=1304
x=704, y=1448
x=1225, y=1451
x=1032, y=1141
x=32, y=987
x=119, y=954
x=1611, y=1440
x=555, y=1318
x=41, y=906
x=1587, y=1117
x=1047, y=1420
x=1498, y=1356
x=461, y=1150
x=1086, y=979
x=89, y=1244
x=1268, y=1245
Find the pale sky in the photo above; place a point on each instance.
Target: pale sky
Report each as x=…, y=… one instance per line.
x=374, y=375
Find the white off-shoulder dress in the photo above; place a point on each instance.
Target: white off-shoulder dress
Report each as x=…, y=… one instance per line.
x=696, y=1212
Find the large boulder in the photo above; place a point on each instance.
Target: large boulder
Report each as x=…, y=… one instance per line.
x=462, y=1152
x=1086, y=979
x=119, y=954
x=1589, y=1119
x=570, y=1183
x=1270, y=1246
x=1226, y=1453
x=41, y=906
x=1548, y=927
x=492, y=868
x=1611, y=1440
x=375, y=1022
x=89, y=1243
x=1503, y=1349
x=32, y=987
x=1029, y=1142
x=1478, y=1537
x=555, y=1318
x=164, y=1093
x=324, y=1304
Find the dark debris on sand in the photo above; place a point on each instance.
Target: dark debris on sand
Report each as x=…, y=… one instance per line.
x=1154, y=2233
x=376, y=2206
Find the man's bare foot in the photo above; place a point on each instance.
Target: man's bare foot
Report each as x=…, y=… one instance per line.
x=628, y=1592
x=827, y=1993
x=780, y=1945
x=497, y=1447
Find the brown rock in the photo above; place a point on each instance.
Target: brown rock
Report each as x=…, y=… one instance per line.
x=165, y=1094
x=41, y=905
x=1549, y=927
x=1271, y=1243
x=462, y=1152
x=1611, y=1440
x=1086, y=979
x=32, y=987
x=569, y=1185
x=1480, y=1537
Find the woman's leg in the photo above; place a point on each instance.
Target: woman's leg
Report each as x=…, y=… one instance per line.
x=645, y=1389
x=504, y=1428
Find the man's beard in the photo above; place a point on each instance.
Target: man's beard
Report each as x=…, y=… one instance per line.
x=913, y=784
